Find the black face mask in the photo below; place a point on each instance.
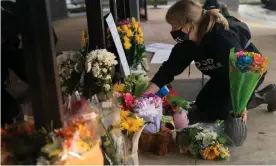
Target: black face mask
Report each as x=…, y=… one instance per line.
x=179, y=36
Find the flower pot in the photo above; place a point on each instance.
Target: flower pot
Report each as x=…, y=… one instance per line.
x=180, y=119
x=236, y=130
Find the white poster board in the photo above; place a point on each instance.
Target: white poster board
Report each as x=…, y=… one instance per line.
x=161, y=56
x=116, y=38
x=158, y=46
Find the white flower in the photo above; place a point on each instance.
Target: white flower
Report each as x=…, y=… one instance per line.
x=106, y=87
x=96, y=70
x=104, y=70
x=108, y=77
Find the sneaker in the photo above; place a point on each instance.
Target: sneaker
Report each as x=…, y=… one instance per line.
x=267, y=96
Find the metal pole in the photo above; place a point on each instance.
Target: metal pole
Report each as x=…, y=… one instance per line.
x=113, y=9
x=38, y=44
x=95, y=23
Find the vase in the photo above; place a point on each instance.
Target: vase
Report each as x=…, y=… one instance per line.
x=131, y=148
x=236, y=130
x=180, y=119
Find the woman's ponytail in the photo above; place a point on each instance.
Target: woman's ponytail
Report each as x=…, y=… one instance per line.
x=209, y=18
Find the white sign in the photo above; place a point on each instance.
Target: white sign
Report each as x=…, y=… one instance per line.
x=158, y=46
x=116, y=38
x=161, y=56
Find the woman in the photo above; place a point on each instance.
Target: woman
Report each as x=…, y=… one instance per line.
x=205, y=37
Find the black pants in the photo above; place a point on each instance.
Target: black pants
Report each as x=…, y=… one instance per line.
x=9, y=107
x=214, y=100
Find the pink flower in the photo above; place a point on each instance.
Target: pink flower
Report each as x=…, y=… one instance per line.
x=128, y=99
x=240, y=53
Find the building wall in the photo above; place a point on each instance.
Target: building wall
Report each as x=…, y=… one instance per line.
x=58, y=9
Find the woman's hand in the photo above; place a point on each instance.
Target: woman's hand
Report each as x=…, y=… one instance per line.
x=244, y=115
x=152, y=88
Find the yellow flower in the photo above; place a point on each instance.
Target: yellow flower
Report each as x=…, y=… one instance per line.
x=84, y=38
x=119, y=87
x=135, y=26
x=126, y=39
x=124, y=114
x=124, y=125
x=129, y=33
x=139, y=30
x=133, y=21
x=137, y=37
x=124, y=28
x=119, y=29
x=140, y=121
x=131, y=124
x=210, y=153
x=127, y=45
x=141, y=34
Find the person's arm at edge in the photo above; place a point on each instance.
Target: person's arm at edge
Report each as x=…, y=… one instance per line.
x=178, y=61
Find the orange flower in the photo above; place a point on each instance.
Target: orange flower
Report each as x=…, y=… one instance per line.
x=125, y=28
x=210, y=153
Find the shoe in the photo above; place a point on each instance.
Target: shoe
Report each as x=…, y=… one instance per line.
x=267, y=96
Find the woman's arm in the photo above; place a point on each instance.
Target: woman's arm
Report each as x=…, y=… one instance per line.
x=180, y=58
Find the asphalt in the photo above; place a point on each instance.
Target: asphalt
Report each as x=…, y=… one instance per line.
x=260, y=146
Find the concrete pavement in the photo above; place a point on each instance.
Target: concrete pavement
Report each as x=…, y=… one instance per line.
x=260, y=147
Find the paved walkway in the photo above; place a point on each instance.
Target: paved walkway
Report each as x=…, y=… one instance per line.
x=260, y=147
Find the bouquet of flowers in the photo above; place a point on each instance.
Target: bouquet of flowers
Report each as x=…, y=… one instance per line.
x=136, y=84
x=77, y=142
x=202, y=142
x=131, y=35
x=70, y=68
x=131, y=127
x=20, y=144
x=246, y=69
x=149, y=107
x=100, y=63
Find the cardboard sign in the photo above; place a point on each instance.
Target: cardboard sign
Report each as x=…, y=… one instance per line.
x=116, y=38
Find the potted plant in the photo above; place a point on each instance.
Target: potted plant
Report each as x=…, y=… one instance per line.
x=179, y=107
x=246, y=68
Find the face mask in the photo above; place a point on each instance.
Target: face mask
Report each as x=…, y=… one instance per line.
x=179, y=36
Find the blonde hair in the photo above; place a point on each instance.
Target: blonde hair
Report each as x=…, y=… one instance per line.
x=191, y=13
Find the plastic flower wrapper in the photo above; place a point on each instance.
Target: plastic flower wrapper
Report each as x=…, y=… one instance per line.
x=246, y=68
x=111, y=136
x=131, y=127
x=149, y=107
x=76, y=143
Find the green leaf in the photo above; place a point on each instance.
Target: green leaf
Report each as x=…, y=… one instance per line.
x=232, y=56
x=132, y=115
x=221, y=140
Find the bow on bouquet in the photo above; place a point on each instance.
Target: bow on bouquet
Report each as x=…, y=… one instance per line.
x=246, y=69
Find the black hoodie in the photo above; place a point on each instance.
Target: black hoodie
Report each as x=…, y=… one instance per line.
x=211, y=56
